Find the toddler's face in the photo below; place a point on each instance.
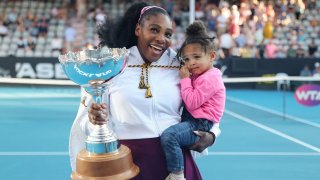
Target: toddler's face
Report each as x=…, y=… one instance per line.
x=196, y=59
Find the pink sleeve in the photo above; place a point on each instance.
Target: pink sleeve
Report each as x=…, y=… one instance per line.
x=201, y=91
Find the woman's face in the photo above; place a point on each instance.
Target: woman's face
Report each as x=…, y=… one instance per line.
x=154, y=36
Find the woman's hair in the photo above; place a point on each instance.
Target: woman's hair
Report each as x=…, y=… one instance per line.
x=122, y=32
x=197, y=33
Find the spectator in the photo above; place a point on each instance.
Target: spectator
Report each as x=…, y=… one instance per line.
x=100, y=16
x=211, y=24
x=271, y=49
x=56, y=44
x=261, y=49
x=69, y=36
x=258, y=36
x=248, y=51
x=43, y=26
x=306, y=71
x=12, y=16
x=81, y=8
x=226, y=42
x=281, y=52
x=283, y=19
x=250, y=36
x=301, y=36
x=270, y=11
x=268, y=30
x=235, y=21
x=21, y=43
x=241, y=40
x=312, y=48
x=223, y=20
x=177, y=15
x=3, y=30
x=199, y=14
x=300, y=7
x=316, y=71
x=301, y=53
x=34, y=30
x=291, y=52
x=54, y=12
x=293, y=36
x=28, y=20
x=235, y=50
x=312, y=4
x=245, y=12
x=291, y=6
x=177, y=38
x=31, y=43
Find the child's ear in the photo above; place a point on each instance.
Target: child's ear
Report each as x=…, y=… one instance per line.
x=213, y=55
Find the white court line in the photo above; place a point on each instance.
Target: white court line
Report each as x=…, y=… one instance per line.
x=210, y=154
x=263, y=154
x=34, y=154
x=303, y=121
x=250, y=121
x=38, y=95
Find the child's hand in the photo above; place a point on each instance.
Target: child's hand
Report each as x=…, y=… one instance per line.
x=184, y=72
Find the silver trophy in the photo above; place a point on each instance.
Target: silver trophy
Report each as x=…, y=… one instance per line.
x=92, y=69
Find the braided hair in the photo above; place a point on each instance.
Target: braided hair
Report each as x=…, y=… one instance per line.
x=197, y=33
x=122, y=32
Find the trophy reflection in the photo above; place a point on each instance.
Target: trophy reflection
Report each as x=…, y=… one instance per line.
x=104, y=158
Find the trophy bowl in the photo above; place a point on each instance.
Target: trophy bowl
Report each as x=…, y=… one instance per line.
x=104, y=157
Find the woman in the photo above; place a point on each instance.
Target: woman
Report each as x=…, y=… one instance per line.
x=140, y=116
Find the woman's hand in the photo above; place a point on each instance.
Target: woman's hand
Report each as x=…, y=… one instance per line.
x=184, y=72
x=206, y=140
x=98, y=114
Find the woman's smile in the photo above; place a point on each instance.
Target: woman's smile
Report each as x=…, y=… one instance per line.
x=158, y=50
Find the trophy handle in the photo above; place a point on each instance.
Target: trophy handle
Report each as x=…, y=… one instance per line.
x=97, y=89
x=101, y=140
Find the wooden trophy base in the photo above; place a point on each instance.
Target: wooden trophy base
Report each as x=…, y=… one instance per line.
x=108, y=166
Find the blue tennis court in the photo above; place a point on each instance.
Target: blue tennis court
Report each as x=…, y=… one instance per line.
x=262, y=137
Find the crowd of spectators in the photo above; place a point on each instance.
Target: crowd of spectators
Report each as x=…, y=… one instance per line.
x=248, y=29
x=264, y=29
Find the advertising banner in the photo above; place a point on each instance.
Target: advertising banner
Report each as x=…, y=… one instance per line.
x=35, y=68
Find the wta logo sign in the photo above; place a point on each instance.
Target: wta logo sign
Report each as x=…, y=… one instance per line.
x=308, y=95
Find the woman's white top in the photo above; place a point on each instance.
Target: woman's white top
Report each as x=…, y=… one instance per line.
x=132, y=116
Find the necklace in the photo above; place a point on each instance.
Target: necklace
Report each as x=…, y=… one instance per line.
x=156, y=66
x=144, y=82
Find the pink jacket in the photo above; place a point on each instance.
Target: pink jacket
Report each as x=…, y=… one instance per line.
x=204, y=96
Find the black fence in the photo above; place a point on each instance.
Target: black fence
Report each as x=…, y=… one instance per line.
x=50, y=68
x=237, y=67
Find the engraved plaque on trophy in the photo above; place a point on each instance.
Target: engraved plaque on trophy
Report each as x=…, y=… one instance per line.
x=104, y=158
